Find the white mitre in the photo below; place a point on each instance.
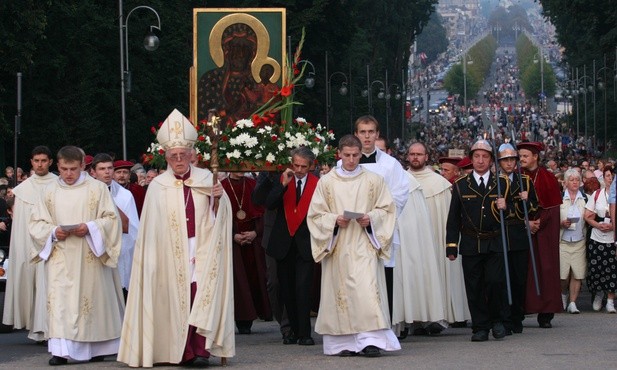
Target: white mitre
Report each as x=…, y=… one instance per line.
x=176, y=132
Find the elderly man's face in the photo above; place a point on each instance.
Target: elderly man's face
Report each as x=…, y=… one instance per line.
x=179, y=159
x=122, y=176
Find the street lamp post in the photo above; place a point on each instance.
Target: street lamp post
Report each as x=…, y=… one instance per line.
x=516, y=28
x=583, y=90
x=603, y=85
x=466, y=61
x=151, y=43
x=342, y=90
x=535, y=60
x=497, y=29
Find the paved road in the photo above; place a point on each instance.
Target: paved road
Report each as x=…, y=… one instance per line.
x=585, y=341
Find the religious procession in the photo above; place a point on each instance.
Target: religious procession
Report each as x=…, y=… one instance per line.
x=490, y=219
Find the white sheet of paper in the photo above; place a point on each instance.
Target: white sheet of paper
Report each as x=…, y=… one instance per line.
x=68, y=228
x=352, y=215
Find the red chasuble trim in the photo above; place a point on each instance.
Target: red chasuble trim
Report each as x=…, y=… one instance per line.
x=295, y=214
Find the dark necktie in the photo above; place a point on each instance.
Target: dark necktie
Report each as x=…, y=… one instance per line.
x=482, y=186
x=298, y=191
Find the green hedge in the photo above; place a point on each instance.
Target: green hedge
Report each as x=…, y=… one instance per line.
x=530, y=71
x=482, y=55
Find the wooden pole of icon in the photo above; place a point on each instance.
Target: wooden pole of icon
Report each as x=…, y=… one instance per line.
x=214, y=133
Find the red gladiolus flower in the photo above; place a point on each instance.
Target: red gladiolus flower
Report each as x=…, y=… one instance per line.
x=224, y=138
x=153, y=130
x=274, y=137
x=160, y=124
x=317, y=140
x=279, y=167
x=203, y=122
x=296, y=71
x=227, y=161
x=286, y=90
x=268, y=163
x=161, y=151
x=201, y=138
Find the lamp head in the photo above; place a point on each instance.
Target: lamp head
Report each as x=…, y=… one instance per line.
x=151, y=41
x=309, y=82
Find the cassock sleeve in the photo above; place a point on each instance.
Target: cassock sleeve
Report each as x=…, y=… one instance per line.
x=321, y=220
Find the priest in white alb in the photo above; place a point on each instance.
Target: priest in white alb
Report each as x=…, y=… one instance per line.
x=77, y=233
x=352, y=248
x=180, y=301
x=417, y=295
x=25, y=300
x=438, y=193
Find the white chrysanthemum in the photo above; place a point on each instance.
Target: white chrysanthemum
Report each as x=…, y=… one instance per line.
x=281, y=147
x=268, y=128
x=234, y=141
x=228, y=155
x=261, y=130
x=270, y=158
x=243, y=123
x=319, y=128
x=300, y=120
x=315, y=151
x=236, y=153
x=258, y=155
x=206, y=156
x=248, y=153
x=287, y=135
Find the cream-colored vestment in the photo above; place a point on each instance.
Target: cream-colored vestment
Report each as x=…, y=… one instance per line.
x=159, y=309
x=25, y=300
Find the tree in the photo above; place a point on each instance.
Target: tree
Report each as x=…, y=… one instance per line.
x=433, y=39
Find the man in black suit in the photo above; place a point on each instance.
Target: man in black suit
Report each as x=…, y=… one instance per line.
x=290, y=242
x=265, y=181
x=474, y=219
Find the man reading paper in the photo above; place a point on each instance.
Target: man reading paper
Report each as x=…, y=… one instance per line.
x=353, y=310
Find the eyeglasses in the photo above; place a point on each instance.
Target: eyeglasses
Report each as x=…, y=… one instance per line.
x=178, y=156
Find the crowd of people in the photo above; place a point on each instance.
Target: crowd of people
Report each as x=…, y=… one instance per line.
x=110, y=258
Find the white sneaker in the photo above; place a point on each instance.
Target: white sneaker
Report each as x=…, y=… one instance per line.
x=564, y=300
x=597, y=302
x=610, y=306
x=572, y=308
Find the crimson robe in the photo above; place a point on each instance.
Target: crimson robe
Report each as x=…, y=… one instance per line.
x=545, y=245
x=250, y=292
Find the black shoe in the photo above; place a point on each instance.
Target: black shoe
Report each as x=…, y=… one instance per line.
x=434, y=328
x=97, y=359
x=480, y=336
x=459, y=324
x=290, y=339
x=404, y=333
x=57, y=360
x=545, y=325
x=244, y=331
x=499, y=331
x=371, y=351
x=198, y=362
x=517, y=328
x=420, y=331
x=347, y=353
x=308, y=341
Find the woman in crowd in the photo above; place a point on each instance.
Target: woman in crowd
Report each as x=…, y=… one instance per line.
x=602, y=277
x=572, y=260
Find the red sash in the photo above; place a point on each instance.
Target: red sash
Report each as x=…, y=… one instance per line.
x=295, y=214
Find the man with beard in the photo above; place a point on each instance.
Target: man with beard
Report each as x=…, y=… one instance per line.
x=545, y=235
x=438, y=194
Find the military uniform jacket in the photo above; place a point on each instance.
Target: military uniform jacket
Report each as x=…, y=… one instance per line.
x=474, y=218
x=516, y=230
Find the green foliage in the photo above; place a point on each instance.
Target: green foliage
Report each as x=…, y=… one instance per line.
x=479, y=59
x=68, y=52
x=530, y=65
x=433, y=40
